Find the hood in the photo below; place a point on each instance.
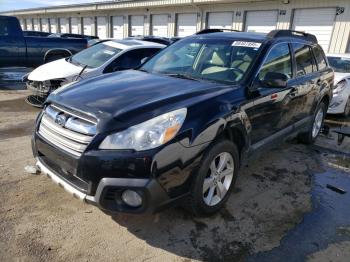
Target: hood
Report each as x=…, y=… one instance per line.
x=53, y=70
x=132, y=93
x=340, y=76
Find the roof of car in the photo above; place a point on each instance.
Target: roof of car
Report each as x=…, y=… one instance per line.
x=274, y=35
x=125, y=44
x=339, y=55
x=234, y=35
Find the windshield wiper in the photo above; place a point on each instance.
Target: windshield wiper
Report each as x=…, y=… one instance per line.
x=183, y=76
x=74, y=62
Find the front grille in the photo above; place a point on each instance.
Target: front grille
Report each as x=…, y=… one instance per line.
x=43, y=87
x=66, y=130
x=37, y=87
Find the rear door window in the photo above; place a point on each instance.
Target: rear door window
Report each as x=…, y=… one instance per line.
x=320, y=58
x=4, y=27
x=133, y=58
x=303, y=58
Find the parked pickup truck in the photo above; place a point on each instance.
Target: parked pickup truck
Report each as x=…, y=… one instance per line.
x=19, y=50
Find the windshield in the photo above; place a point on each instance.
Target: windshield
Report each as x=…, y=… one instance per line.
x=340, y=64
x=95, y=55
x=225, y=61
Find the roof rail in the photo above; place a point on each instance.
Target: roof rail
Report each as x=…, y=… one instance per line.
x=291, y=33
x=215, y=30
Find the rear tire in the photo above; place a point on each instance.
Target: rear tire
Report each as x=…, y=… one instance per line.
x=214, y=179
x=347, y=108
x=310, y=136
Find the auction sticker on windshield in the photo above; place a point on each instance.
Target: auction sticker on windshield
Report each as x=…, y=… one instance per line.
x=246, y=44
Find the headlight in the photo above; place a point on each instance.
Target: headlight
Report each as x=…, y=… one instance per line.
x=47, y=83
x=339, y=87
x=63, y=87
x=149, y=134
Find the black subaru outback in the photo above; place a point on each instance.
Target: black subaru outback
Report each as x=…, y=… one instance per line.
x=177, y=129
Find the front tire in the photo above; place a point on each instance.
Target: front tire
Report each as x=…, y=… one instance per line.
x=214, y=179
x=315, y=128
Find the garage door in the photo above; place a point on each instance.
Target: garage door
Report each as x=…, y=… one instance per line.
x=186, y=24
x=53, y=25
x=88, y=26
x=45, y=25
x=222, y=20
x=22, y=24
x=160, y=25
x=308, y=20
x=261, y=21
x=102, y=27
x=29, y=24
x=64, y=25
x=136, y=25
x=36, y=24
x=118, y=27
x=74, y=23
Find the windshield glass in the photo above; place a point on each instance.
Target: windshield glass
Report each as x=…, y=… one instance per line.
x=95, y=55
x=225, y=61
x=340, y=64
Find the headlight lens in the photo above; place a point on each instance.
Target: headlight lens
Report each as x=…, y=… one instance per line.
x=339, y=87
x=63, y=87
x=149, y=134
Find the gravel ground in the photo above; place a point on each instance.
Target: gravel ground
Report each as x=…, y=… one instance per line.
x=41, y=222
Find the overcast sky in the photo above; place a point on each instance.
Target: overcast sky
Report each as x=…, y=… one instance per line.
x=23, y=4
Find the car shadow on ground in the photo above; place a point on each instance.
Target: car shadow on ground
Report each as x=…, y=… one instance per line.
x=270, y=198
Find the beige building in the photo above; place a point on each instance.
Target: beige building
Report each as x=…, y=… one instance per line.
x=328, y=20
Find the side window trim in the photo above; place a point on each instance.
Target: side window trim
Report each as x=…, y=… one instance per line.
x=315, y=65
x=323, y=56
x=293, y=61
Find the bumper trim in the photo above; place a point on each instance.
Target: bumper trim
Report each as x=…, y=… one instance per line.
x=105, y=182
x=59, y=181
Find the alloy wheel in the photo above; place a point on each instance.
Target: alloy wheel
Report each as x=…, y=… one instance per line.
x=318, y=122
x=219, y=179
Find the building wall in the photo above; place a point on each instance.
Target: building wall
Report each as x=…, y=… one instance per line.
x=340, y=34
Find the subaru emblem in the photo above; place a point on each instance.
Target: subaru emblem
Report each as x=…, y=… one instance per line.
x=61, y=119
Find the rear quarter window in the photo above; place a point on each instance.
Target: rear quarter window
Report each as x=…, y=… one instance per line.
x=320, y=58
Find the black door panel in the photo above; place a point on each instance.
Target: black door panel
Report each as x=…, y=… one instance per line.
x=271, y=110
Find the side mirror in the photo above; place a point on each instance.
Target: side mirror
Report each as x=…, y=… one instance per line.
x=274, y=80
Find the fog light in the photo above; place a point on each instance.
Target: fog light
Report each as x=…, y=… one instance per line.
x=131, y=198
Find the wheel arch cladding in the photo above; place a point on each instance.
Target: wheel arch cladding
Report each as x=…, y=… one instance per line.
x=52, y=52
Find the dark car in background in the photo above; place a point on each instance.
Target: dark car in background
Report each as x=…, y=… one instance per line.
x=28, y=51
x=177, y=129
x=36, y=33
x=68, y=35
x=155, y=39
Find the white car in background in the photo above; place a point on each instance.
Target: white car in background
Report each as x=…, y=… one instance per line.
x=340, y=103
x=105, y=57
